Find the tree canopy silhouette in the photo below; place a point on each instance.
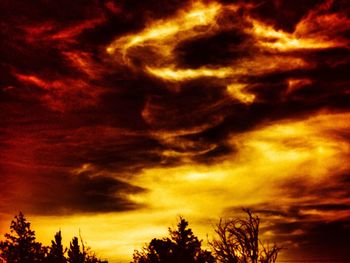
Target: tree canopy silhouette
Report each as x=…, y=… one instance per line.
x=74, y=253
x=77, y=254
x=238, y=242
x=182, y=247
x=20, y=245
x=56, y=254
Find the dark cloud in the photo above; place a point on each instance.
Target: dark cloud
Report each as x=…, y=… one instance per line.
x=54, y=191
x=84, y=194
x=39, y=79
x=297, y=226
x=55, y=74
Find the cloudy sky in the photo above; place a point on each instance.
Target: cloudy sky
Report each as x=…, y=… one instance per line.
x=116, y=116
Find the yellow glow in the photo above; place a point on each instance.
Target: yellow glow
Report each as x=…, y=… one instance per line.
x=261, y=159
x=236, y=91
x=270, y=154
x=186, y=74
x=283, y=41
x=317, y=30
x=165, y=34
x=154, y=48
x=257, y=65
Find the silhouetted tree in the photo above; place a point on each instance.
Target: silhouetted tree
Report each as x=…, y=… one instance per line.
x=56, y=254
x=238, y=242
x=74, y=253
x=90, y=256
x=20, y=245
x=81, y=255
x=182, y=247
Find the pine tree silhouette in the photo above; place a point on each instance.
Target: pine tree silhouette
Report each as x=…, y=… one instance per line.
x=20, y=245
x=56, y=254
x=77, y=254
x=74, y=253
x=182, y=247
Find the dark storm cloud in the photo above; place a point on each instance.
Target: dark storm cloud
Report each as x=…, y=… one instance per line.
x=314, y=224
x=332, y=236
x=337, y=189
x=298, y=226
x=54, y=191
x=83, y=194
x=312, y=235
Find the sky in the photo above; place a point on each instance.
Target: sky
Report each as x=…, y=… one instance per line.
x=117, y=116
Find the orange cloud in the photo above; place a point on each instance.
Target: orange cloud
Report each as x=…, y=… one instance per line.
x=79, y=92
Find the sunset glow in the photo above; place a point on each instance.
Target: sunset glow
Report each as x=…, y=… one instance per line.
x=119, y=116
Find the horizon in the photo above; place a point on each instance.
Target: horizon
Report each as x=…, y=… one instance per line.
x=117, y=116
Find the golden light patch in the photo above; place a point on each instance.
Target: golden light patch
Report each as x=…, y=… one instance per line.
x=154, y=47
x=186, y=74
x=266, y=156
x=197, y=19
x=282, y=41
x=237, y=92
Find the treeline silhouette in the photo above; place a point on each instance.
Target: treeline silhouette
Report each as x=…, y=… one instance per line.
x=237, y=241
x=20, y=246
